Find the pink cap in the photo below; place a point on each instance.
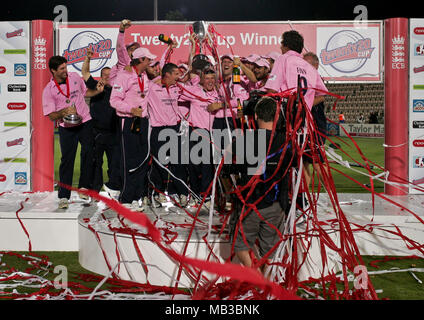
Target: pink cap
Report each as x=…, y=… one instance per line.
x=229, y=56
x=272, y=55
x=153, y=63
x=261, y=62
x=251, y=58
x=143, y=52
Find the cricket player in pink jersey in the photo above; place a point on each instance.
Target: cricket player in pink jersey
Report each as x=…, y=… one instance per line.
x=247, y=67
x=290, y=66
x=229, y=93
x=129, y=98
x=261, y=70
x=289, y=70
x=124, y=52
x=271, y=57
x=164, y=116
x=201, y=96
x=62, y=96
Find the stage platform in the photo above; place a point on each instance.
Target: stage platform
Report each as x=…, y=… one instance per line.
x=53, y=229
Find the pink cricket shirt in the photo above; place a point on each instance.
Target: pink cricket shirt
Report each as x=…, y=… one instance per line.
x=123, y=58
x=184, y=106
x=199, y=115
x=126, y=93
x=285, y=72
x=236, y=91
x=54, y=100
x=163, y=105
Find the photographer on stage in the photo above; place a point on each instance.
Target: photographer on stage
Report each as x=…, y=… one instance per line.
x=261, y=205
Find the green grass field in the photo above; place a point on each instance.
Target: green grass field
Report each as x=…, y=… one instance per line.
x=395, y=286
x=372, y=149
x=392, y=286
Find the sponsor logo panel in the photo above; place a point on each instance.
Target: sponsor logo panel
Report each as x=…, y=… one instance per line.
x=20, y=69
x=17, y=87
x=347, y=51
x=77, y=50
x=418, y=105
x=418, y=162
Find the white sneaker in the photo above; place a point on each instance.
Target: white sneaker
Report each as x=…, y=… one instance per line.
x=161, y=198
x=82, y=195
x=192, y=202
x=207, y=204
x=134, y=206
x=146, y=202
x=137, y=206
x=175, y=199
x=63, y=203
x=114, y=194
x=156, y=203
x=228, y=206
x=183, y=201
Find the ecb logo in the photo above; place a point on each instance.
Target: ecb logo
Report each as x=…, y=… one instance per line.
x=81, y=42
x=347, y=51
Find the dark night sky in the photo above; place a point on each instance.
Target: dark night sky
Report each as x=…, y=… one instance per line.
x=210, y=10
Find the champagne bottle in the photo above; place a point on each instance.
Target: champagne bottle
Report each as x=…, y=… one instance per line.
x=240, y=108
x=136, y=125
x=236, y=74
x=165, y=39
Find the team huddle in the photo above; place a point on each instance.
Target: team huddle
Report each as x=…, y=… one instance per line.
x=156, y=121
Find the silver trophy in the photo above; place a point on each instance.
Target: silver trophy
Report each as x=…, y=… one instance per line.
x=200, y=61
x=72, y=119
x=200, y=28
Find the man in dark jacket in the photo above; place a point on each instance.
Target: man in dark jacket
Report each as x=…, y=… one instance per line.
x=263, y=203
x=105, y=131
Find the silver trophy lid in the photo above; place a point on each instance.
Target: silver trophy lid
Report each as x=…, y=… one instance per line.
x=200, y=29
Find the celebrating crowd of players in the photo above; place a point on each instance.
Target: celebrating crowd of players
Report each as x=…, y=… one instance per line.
x=141, y=97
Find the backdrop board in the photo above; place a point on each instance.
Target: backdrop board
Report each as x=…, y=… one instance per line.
x=15, y=113
x=416, y=103
x=347, y=52
x=362, y=130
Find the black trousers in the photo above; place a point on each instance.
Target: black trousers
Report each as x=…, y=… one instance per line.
x=201, y=167
x=106, y=142
x=158, y=175
x=69, y=138
x=221, y=123
x=135, y=160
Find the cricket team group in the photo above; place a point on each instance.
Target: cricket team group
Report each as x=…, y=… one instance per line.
x=129, y=112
